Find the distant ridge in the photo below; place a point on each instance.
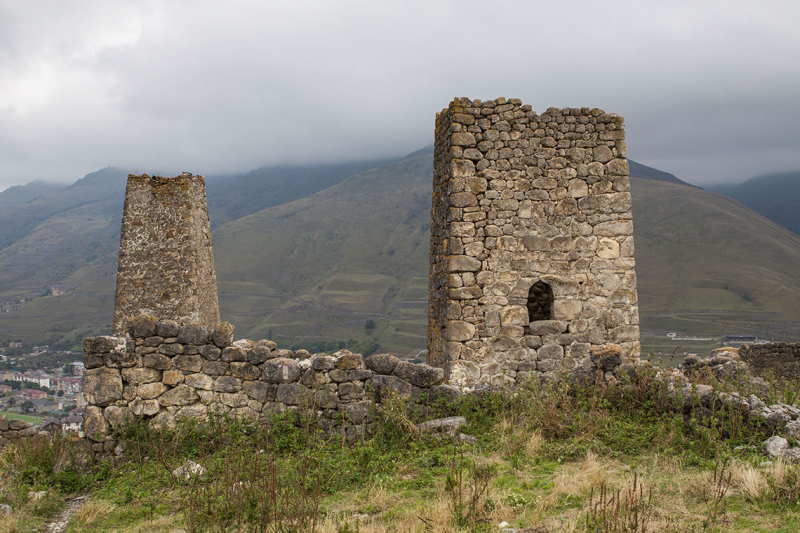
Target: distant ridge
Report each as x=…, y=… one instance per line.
x=18, y=195
x=775, y=196
x=638, y=170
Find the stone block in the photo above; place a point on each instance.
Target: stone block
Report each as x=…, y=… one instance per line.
x=291, y=394
x=157, y=361
x=171, y=350
x=94, y=425
x=567, y=309
x=233, y=353
x=150, y=391
x=144, y=407
x=179, y=396
x=382, y=363
x=227, y=384
x=281, y=370
x=194, y=333
x=421, y=375
x=460, y=331
x=168, y=328
x=514, y=315
x=103, y=344
x=257, y=390
x=348, y=361
x=386, y=386
x=102, y=386
x=222, y=336
x=199, y=381
x=189, y=363
x=211, y=353
x=244, y=371
x=351, y=391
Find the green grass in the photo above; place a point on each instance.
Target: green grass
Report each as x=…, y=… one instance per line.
x=26, y=418
x=541, y=458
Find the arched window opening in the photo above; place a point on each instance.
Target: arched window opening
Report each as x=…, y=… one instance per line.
x=540, y=302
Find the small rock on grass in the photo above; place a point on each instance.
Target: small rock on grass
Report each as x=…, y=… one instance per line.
x=189, y=470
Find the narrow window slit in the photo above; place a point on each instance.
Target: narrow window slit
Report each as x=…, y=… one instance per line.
x=540, y=302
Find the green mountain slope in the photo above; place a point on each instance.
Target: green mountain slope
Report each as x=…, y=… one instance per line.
x=319, y=267
x=326, y=266
x=231, y=199
x=706, y=263
x=775, y=196
x=64, y=238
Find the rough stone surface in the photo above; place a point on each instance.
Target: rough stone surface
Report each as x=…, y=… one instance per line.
x=101, y=386
x=778, y=360
x=775, y=446
x=223, y=335
x=531, y=237
x=166, y=265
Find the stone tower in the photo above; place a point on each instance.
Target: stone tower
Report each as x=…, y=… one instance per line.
x=532, y=269
x=166, y=263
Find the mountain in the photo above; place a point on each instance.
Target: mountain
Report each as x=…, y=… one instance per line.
x=350, y=260
x=22, y=194
x=319, y=267
x=775, y=196
x=639, y=170
x=230, y=199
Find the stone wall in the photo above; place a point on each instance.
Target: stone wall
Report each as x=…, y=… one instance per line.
x=166, y=263
x=521, y=198
x=165, y=371
x=779, y=360
x=11, y=430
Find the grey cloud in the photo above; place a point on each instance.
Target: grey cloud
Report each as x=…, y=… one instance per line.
x=708, y=90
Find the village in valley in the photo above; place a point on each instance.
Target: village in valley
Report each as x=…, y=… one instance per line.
x=46, y=393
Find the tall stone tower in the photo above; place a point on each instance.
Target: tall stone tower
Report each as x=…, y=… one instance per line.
x=166, y=263
x=532, y=269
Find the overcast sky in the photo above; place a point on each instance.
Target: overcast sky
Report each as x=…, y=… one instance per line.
x=710, y=90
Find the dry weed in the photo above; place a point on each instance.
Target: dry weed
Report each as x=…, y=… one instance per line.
x=579, y=479
x=534, y=444
x=94, y=510
x=432, y=516
x=748, y=480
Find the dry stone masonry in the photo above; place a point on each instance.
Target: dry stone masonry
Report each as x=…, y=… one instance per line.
x=166, y=264
x=12, y=429
x=164, y=371
x=778, y=360
x=531, y=264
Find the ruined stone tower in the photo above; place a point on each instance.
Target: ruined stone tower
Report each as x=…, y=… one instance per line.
x=532, y=269
x=166, y=263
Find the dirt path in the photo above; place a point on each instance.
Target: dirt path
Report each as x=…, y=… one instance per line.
x=60, y=522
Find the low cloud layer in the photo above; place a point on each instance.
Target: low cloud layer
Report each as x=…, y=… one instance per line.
x=710, y=91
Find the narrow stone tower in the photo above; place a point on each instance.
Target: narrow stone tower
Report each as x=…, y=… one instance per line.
x=532, y=269
x=166, y=263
